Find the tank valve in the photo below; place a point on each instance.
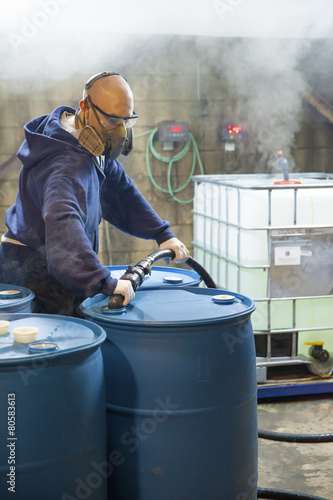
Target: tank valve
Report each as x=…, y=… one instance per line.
x=282, y=164
x=317, y=351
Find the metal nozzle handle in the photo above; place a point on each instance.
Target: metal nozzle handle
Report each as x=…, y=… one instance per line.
x=116, y=301
x=134, y=273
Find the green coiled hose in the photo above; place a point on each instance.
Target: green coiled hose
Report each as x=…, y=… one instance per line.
x=150, y=149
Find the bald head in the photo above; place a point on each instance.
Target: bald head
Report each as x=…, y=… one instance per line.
x=112, y=94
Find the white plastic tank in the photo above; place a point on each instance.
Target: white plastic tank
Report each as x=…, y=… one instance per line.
x=273, y=242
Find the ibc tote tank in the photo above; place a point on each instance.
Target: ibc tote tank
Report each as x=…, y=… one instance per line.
x=181, y=394
x=52, y=418
x=273, y=243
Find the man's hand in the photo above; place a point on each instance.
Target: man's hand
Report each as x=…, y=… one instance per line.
x=182, y=254
x=124, y=288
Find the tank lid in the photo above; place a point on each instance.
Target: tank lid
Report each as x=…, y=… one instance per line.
x=11, y=295
x=172, y=306
x=268, y=181
x=67, y=333
x=162, y=276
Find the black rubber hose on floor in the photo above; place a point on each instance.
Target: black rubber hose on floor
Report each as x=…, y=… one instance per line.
x=295, y=438
x=291, y=438
x=285, y=495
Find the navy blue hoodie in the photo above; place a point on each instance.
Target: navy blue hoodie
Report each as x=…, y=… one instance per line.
x=62, y=196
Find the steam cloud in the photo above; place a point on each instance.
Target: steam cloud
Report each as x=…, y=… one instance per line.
x=47, y=41
x=265, y=80
x=53, y=37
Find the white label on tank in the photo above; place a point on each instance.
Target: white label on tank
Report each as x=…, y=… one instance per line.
x=287, y=256
x=306, y=253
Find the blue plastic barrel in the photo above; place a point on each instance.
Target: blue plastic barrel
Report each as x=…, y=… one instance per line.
x=181, y=394
x=161, y=277
x=14, y=298
x=53, y=419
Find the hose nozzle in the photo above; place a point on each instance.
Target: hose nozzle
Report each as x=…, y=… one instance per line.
x=137, y=273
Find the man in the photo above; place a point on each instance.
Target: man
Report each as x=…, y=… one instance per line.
x=69, y=179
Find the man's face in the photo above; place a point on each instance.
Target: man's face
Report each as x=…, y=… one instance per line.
x=107, y=108
x=112, y=99
x=99, y=118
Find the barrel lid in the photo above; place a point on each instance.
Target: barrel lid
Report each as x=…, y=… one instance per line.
x=171, y=306
x=162, y=276
x=11, y=295
x=69, y=334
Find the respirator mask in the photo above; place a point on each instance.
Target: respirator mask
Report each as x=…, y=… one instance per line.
x=115, y=136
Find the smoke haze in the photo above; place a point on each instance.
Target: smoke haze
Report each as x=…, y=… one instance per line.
x=49, y=41
x=54, y=37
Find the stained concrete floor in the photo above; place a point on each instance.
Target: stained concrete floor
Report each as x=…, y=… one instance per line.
x=305, y=468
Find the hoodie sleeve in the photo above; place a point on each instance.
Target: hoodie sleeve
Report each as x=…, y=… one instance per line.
x=70, y=256
x=125, y=207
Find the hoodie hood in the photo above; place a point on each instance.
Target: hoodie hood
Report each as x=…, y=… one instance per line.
x=44, y=136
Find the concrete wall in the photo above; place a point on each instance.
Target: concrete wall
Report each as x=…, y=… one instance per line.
x=180, y=78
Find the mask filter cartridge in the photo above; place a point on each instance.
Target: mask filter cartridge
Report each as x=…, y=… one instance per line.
x=91, y=140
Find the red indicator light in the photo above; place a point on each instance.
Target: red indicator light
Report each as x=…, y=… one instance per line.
x=176, y=129
x=236, y=129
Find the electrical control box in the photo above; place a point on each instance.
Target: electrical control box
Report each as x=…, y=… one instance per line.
x=173, y=131
x=231, y=133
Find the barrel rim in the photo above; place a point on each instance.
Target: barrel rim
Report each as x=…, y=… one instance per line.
x=95, y=327
x=116, y=319
x=20, y=301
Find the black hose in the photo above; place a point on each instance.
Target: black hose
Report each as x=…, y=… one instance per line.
x=291, y=438
x=285, y=495
x=207, y=279
x=137, y=273
x=295, y=438
x=163, y=254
